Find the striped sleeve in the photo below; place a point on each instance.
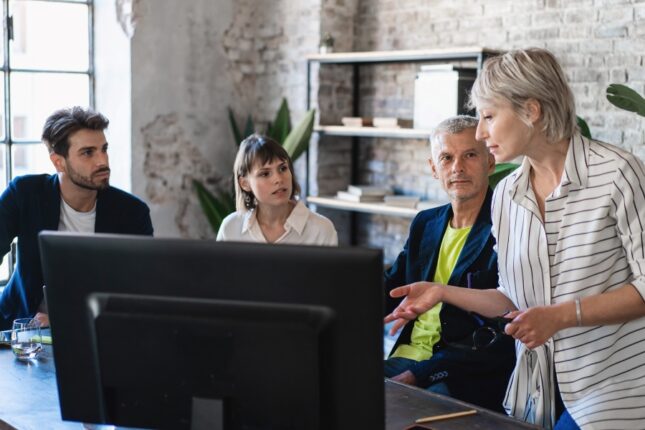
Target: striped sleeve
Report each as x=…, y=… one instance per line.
x=629, y=202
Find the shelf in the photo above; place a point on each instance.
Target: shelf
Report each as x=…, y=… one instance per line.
x=372, y=208
x=398, y=133
x=453, y=54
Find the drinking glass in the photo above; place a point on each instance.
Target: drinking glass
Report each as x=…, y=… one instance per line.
x=26, y=342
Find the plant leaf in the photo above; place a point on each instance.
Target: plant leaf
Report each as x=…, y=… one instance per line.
x=281, y=126
x=501, y=170
x=249, y=129
x=236, y=131
x=584, y=128
x=298, y=139
x=625, y=98
x=215, y=208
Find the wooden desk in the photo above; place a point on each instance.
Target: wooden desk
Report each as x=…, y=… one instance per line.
x=29, y=400
x=28, y=394
x=404, y=404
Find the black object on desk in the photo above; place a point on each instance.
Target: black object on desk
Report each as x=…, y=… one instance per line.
x=155, y=332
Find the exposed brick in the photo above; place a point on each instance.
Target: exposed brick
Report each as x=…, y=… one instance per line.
x=616, y=15
x=611, y=31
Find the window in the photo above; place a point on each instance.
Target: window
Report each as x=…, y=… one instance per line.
x=47, y=63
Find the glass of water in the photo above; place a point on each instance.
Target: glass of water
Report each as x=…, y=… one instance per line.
x=26, y=342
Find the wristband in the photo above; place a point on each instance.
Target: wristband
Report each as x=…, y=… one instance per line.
x=578, y=312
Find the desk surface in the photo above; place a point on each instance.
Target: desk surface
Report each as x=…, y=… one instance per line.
x=29, y=398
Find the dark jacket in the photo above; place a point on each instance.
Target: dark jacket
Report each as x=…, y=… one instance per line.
x=478, y=376
x=31, y=204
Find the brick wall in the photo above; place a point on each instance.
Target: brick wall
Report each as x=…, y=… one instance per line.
x=597, y=41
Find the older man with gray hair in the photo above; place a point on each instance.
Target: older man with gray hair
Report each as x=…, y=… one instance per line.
x=448, y=350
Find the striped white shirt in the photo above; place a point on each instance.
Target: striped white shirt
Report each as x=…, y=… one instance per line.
x=591, y=241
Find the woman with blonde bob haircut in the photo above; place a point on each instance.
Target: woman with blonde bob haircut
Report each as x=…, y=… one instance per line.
x=266, y=193
x=571, y=254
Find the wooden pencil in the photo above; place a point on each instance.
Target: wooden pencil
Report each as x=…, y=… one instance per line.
x=446, y=416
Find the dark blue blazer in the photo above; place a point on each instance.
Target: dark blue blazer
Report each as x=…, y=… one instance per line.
x=476, y=268
x=31, y=204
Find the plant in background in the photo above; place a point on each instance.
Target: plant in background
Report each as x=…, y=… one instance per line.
x=218, y=205
x=625, y=98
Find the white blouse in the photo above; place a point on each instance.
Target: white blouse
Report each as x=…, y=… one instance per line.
x=591, y=241
x=303, y=227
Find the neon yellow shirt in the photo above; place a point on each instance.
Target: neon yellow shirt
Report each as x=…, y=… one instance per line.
x=427, y=327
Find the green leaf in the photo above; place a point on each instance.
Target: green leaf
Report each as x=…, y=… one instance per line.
x=236, y=131
x=501, y=170
x=298, y=140
x=215, y=208
x=625, y=98
x=584, y=128
x=249, y=129
x=281, y=126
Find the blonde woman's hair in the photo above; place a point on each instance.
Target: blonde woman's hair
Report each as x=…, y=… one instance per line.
x=258, y=149
x=524, y=74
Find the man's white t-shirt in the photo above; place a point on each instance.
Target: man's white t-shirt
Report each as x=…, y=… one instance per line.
x=74, y=221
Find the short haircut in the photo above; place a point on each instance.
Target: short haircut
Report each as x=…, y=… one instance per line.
x=258, y=149
x=452, y=125
x=64, y=122
x=524, y=74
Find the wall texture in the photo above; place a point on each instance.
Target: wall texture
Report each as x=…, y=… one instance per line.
x=191, y=61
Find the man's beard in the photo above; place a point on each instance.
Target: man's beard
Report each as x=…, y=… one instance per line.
x=87, y=182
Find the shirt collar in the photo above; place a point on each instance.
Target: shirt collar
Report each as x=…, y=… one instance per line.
x=576, y=168
x=298, y=218
x=296, y=221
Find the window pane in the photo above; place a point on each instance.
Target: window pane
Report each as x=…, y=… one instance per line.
x=30, y=158
x=50, y=36
x=2, y=108
x=35, y=96
x=4, y=267
x=4, y=271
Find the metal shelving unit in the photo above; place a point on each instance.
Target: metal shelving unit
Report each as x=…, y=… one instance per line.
x=474, y=55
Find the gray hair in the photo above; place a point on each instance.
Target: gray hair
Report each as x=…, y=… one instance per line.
x=452, y=125
x=524, y=74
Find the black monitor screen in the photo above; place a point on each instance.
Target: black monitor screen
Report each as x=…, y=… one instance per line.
x=172, y=333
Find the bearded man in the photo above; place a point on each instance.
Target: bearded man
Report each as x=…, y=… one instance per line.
x=78, y=198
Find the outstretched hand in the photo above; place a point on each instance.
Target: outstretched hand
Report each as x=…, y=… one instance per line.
x=419, y=298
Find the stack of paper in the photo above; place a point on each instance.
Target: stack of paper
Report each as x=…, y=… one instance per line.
x=356, y=121
x=345, y=195
x=364, y=193
x=392, y=122
x=402, y=201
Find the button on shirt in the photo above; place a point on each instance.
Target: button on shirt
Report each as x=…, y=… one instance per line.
x=591, y=241
x=302, y=227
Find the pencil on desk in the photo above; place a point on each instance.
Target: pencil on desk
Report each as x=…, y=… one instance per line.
x=446, y=416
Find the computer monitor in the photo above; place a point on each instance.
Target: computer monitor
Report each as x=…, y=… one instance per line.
x=175, y=333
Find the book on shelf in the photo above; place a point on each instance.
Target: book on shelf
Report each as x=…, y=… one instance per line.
x=402, y=201
x=356, y=121
x=391, y=122
x=346, y=195
x=368, y=190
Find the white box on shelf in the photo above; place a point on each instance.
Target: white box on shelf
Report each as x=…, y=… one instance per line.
x=440, y=91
